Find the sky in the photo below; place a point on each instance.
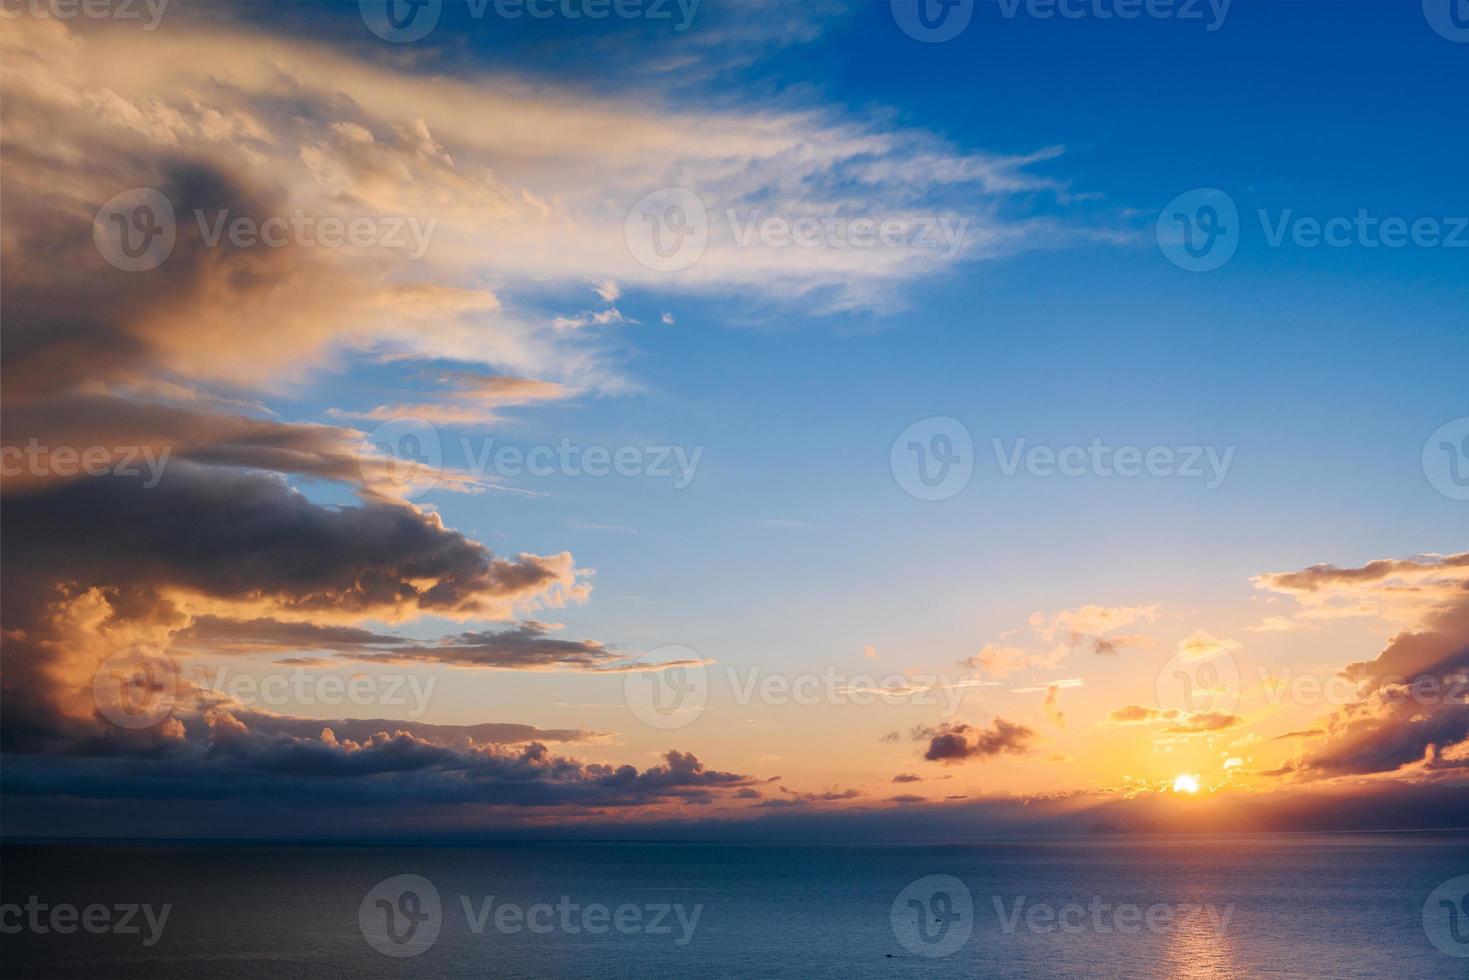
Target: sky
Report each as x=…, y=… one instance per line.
x=733, y=419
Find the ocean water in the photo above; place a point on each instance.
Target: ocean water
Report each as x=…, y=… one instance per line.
x=1279, y=906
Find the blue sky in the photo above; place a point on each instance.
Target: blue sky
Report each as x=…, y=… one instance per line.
x=535, y=317
x=1327, y=367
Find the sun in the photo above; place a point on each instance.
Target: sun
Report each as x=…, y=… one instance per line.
x=1186, y=784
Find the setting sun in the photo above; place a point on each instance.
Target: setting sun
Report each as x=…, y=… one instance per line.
x=1186, y=784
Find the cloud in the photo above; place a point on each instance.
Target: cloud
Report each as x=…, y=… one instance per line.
x=1092, y=626
x=528, y=646
x=465, y=398
x=95, y=566
x=1275, y=624
x=907, y=777
x=542, y=191
x=998, y=660
x=1203, y=645
x=1413, y=713
x=1404, y=590
x=1204, y=723
x=1137, y=714
x=1053, y=706
x=794, y=799
x=223, y=758
x=1091, y=620
x=954, y=742
x=1186, y=723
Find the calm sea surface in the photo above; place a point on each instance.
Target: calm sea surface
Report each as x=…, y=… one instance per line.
x=1208, y=907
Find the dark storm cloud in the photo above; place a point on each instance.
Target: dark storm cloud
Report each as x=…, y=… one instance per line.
x=387, y=769
x=246, y=537
x=363, y=729
x=958, y=741
x=1414, y=705
x=94, y=566
x=527, y=646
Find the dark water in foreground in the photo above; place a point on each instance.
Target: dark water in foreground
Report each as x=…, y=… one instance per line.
x=1208, y=907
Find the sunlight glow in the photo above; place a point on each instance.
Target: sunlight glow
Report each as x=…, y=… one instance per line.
x=1186, y=784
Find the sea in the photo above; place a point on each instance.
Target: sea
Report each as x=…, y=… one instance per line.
x=1380, y=905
